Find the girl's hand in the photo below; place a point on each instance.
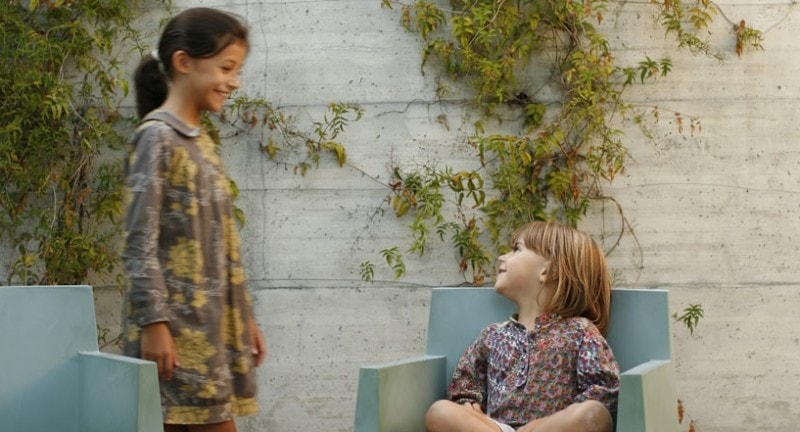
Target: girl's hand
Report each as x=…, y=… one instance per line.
x=473, y=406
x=158, y=346
x=258, y=343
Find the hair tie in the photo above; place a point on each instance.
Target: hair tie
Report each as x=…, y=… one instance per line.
x=154, y=54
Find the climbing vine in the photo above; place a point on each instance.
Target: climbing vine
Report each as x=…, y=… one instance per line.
x=563, y=134
x=60, y=90
x=282, y=140
x=62, y=134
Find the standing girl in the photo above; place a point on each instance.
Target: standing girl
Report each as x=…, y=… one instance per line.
x=548, y=368
x=188, y=308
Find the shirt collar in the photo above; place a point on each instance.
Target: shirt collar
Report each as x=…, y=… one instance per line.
x=542, y=321
x=174, y=122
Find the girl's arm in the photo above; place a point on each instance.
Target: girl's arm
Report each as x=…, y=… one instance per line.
x=469, y=377
x=146, y=175
x=258, y=344
x=598, y=372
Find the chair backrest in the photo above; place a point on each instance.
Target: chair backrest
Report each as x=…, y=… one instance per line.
x=42, y=329
x=639, y=329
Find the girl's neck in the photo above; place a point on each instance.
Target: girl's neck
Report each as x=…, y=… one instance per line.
x=528, y=313
x=187, y=112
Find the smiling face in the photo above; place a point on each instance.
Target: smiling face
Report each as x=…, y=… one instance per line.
x=521, y=273
x=213, y=79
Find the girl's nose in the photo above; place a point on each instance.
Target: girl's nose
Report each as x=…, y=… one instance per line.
x=235, y=82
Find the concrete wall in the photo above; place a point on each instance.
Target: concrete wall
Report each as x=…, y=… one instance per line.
x=716, y=214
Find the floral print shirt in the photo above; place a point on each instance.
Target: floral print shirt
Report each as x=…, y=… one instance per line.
x=519, y=375
x=183, y=265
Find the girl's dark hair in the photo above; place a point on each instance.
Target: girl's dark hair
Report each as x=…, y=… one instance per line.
x=201, y=33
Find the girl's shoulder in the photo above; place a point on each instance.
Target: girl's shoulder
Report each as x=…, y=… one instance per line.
x=579, y=325
x=495, y=327
x=161, y=121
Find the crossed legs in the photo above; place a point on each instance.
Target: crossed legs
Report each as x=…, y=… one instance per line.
x=588, y=416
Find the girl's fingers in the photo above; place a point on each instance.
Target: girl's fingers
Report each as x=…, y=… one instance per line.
x=260, y=348
x=167, y=364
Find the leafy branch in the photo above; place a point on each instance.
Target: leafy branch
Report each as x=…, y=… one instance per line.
x=282, y=141
x=62, y=199
x=690, y=317
x=553, y=166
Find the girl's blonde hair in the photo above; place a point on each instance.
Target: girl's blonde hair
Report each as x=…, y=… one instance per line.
x=577, y=266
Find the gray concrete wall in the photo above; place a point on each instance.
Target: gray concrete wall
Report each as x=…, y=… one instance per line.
x=716, y=215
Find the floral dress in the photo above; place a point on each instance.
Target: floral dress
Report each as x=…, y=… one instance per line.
x=183, y=265
x=519, y=375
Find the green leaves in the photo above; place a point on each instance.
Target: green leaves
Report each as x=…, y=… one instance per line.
x=282, y=141
x=61, y=203
x=550, y=168
x=690, y=317
x=746, y=35
x=553, y=166
x=427, y=18
x=422, y=195
x=394, y=259
x=367, y=271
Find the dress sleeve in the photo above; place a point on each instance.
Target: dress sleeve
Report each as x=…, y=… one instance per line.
x=469, y=377
x=236, y=274
x=598, y=371
x=146, y=171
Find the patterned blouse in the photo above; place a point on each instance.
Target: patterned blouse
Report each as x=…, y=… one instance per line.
x=183, y=266
x=518, y=375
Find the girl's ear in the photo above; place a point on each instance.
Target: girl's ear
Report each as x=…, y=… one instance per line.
x=181, y=61
x=543, y=274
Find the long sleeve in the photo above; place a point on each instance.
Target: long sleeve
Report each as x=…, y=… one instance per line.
x=470, y=375
x=145, y=174
x=236, y=273
x=598, y=372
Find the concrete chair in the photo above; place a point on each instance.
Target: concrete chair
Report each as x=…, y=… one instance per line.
x=52, y=376
x=393, y=397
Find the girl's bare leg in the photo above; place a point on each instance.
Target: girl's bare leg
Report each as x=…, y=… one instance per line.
x=447, y=416
x=228, y=426
x=587, y=416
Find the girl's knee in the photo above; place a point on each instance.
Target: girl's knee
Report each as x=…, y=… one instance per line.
x=593, y=416
x=440, y=414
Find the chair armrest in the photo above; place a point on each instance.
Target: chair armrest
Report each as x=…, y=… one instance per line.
x=395, y=396
x=647, y=399
x=118, y=393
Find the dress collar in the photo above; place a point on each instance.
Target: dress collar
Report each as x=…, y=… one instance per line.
x=174, y=122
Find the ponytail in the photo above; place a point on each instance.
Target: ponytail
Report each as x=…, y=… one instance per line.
x=150, y=85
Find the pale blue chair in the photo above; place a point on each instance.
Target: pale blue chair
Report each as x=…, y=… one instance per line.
x=52, y=376
x=393, y=397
